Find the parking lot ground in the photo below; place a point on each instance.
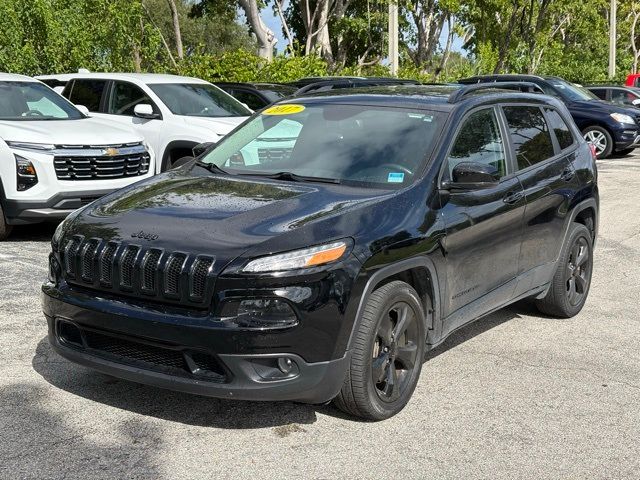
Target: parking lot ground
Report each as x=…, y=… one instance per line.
x=515, y=395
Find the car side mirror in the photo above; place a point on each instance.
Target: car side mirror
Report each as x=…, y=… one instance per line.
x=201, y=148
x=636, y=102
x=144, y=110
x=84, y=110
x=473, y=176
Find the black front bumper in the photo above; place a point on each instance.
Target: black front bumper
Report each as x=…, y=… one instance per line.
x=626, y=138
x=182, y=357
x=23, y=212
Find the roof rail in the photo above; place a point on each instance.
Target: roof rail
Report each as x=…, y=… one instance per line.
x=528, y=87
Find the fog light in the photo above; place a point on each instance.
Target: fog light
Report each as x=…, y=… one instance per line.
x=26, y=173
x=285, y=364
x=262, y=313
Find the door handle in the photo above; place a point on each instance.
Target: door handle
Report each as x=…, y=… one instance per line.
x=513, y=197
x=567, y=174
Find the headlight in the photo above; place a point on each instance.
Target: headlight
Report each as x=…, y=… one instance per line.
x=25, y=174
x=304, y=258
x=38, y=147
x=622, y=118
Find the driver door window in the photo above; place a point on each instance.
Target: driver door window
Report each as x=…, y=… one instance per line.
x=623, y=98
x=479, y=141
x=124, y=97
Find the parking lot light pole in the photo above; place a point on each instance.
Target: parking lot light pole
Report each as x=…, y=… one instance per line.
x=612, y=40
x=393, y=37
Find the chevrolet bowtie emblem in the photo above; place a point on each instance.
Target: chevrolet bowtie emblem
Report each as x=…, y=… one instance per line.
x=111, y=152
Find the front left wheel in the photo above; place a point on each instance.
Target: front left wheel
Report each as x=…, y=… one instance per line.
x=387, y=354
x=5, y=228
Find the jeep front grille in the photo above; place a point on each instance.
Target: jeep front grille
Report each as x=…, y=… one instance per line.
x=134, y=270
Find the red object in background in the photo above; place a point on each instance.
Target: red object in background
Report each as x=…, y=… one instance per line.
x=633, y=80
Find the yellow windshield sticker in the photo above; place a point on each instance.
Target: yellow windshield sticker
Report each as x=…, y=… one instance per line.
x=285, y=109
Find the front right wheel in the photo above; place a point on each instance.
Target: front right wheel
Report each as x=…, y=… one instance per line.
x=572, y=280
x=601, y=140
x=387, y=353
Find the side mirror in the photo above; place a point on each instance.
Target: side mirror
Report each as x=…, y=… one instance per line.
x=144, y=110
x=636, y=102
x=473, y=176
x=201, y=148
x=84, y=110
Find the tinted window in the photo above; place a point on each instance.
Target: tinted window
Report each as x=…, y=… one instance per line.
x=124, y=97
x=601, y=93
x=529, y=134
x=479, y=141
x=252, y=101
x=560, y=128
x=355, y=144
x=87, y=93
x=34, y=101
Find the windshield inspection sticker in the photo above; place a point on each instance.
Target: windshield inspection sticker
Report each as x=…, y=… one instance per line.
x=286, y=109
x=395, y=178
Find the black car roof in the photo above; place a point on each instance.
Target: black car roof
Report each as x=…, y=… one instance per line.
x=436, y=97
x=508, y=77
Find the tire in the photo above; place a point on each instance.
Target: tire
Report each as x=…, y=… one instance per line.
x=601, y=139
x=5, y=228
x=624, y=152
x=377, y=347
x=572, y=280
x=181, y=161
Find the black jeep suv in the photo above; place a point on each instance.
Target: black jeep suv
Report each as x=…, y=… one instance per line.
x=319, y=250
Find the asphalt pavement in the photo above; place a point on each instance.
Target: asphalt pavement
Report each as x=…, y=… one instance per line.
x=513, y=396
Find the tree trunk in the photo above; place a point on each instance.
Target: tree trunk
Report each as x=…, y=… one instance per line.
x=503, y=50
x=447, y=49
x=634, y=45
x=176, y=28
x=265, y=37
x=285, y=27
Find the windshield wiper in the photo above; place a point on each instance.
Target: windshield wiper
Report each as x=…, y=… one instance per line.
x=292, y=177
x=212, y=167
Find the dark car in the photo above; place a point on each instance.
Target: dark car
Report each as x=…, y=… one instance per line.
x=256, y=96
x=324, y=85
x=628, y=97
x=322, y=248
x=609, y=128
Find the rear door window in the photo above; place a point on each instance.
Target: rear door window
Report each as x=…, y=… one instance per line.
x=479, y=141
x=251, y=100
x=560, y=128
x=601, y=93
x=530, y=135
x=88, y=93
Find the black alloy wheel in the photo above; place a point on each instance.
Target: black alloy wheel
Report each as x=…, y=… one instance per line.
x=387, y=351
x=395, y=352
x=570, y=285
x=578, y=271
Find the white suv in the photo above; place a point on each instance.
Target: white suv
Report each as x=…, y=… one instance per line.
x=54, y=159
x=173, y=113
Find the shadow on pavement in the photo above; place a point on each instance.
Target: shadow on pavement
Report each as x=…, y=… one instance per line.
x=39, y=232
x=39, y=442
x=165, y=404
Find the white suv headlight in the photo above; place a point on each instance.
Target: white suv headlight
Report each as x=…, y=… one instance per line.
x=296, y=259
x=622, y=118
x=38, y=147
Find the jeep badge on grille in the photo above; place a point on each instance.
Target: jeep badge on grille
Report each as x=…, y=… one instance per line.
x=144, y=236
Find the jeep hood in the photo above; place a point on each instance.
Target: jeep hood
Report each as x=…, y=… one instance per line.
x=84, y=131
x=225, y=216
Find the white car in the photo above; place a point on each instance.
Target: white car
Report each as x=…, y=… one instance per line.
x=54, y=159
x=173, y=113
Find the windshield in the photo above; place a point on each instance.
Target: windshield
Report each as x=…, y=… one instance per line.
x=382, y=146
x=573, y=91
x=34, y=101
x=199, y=100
